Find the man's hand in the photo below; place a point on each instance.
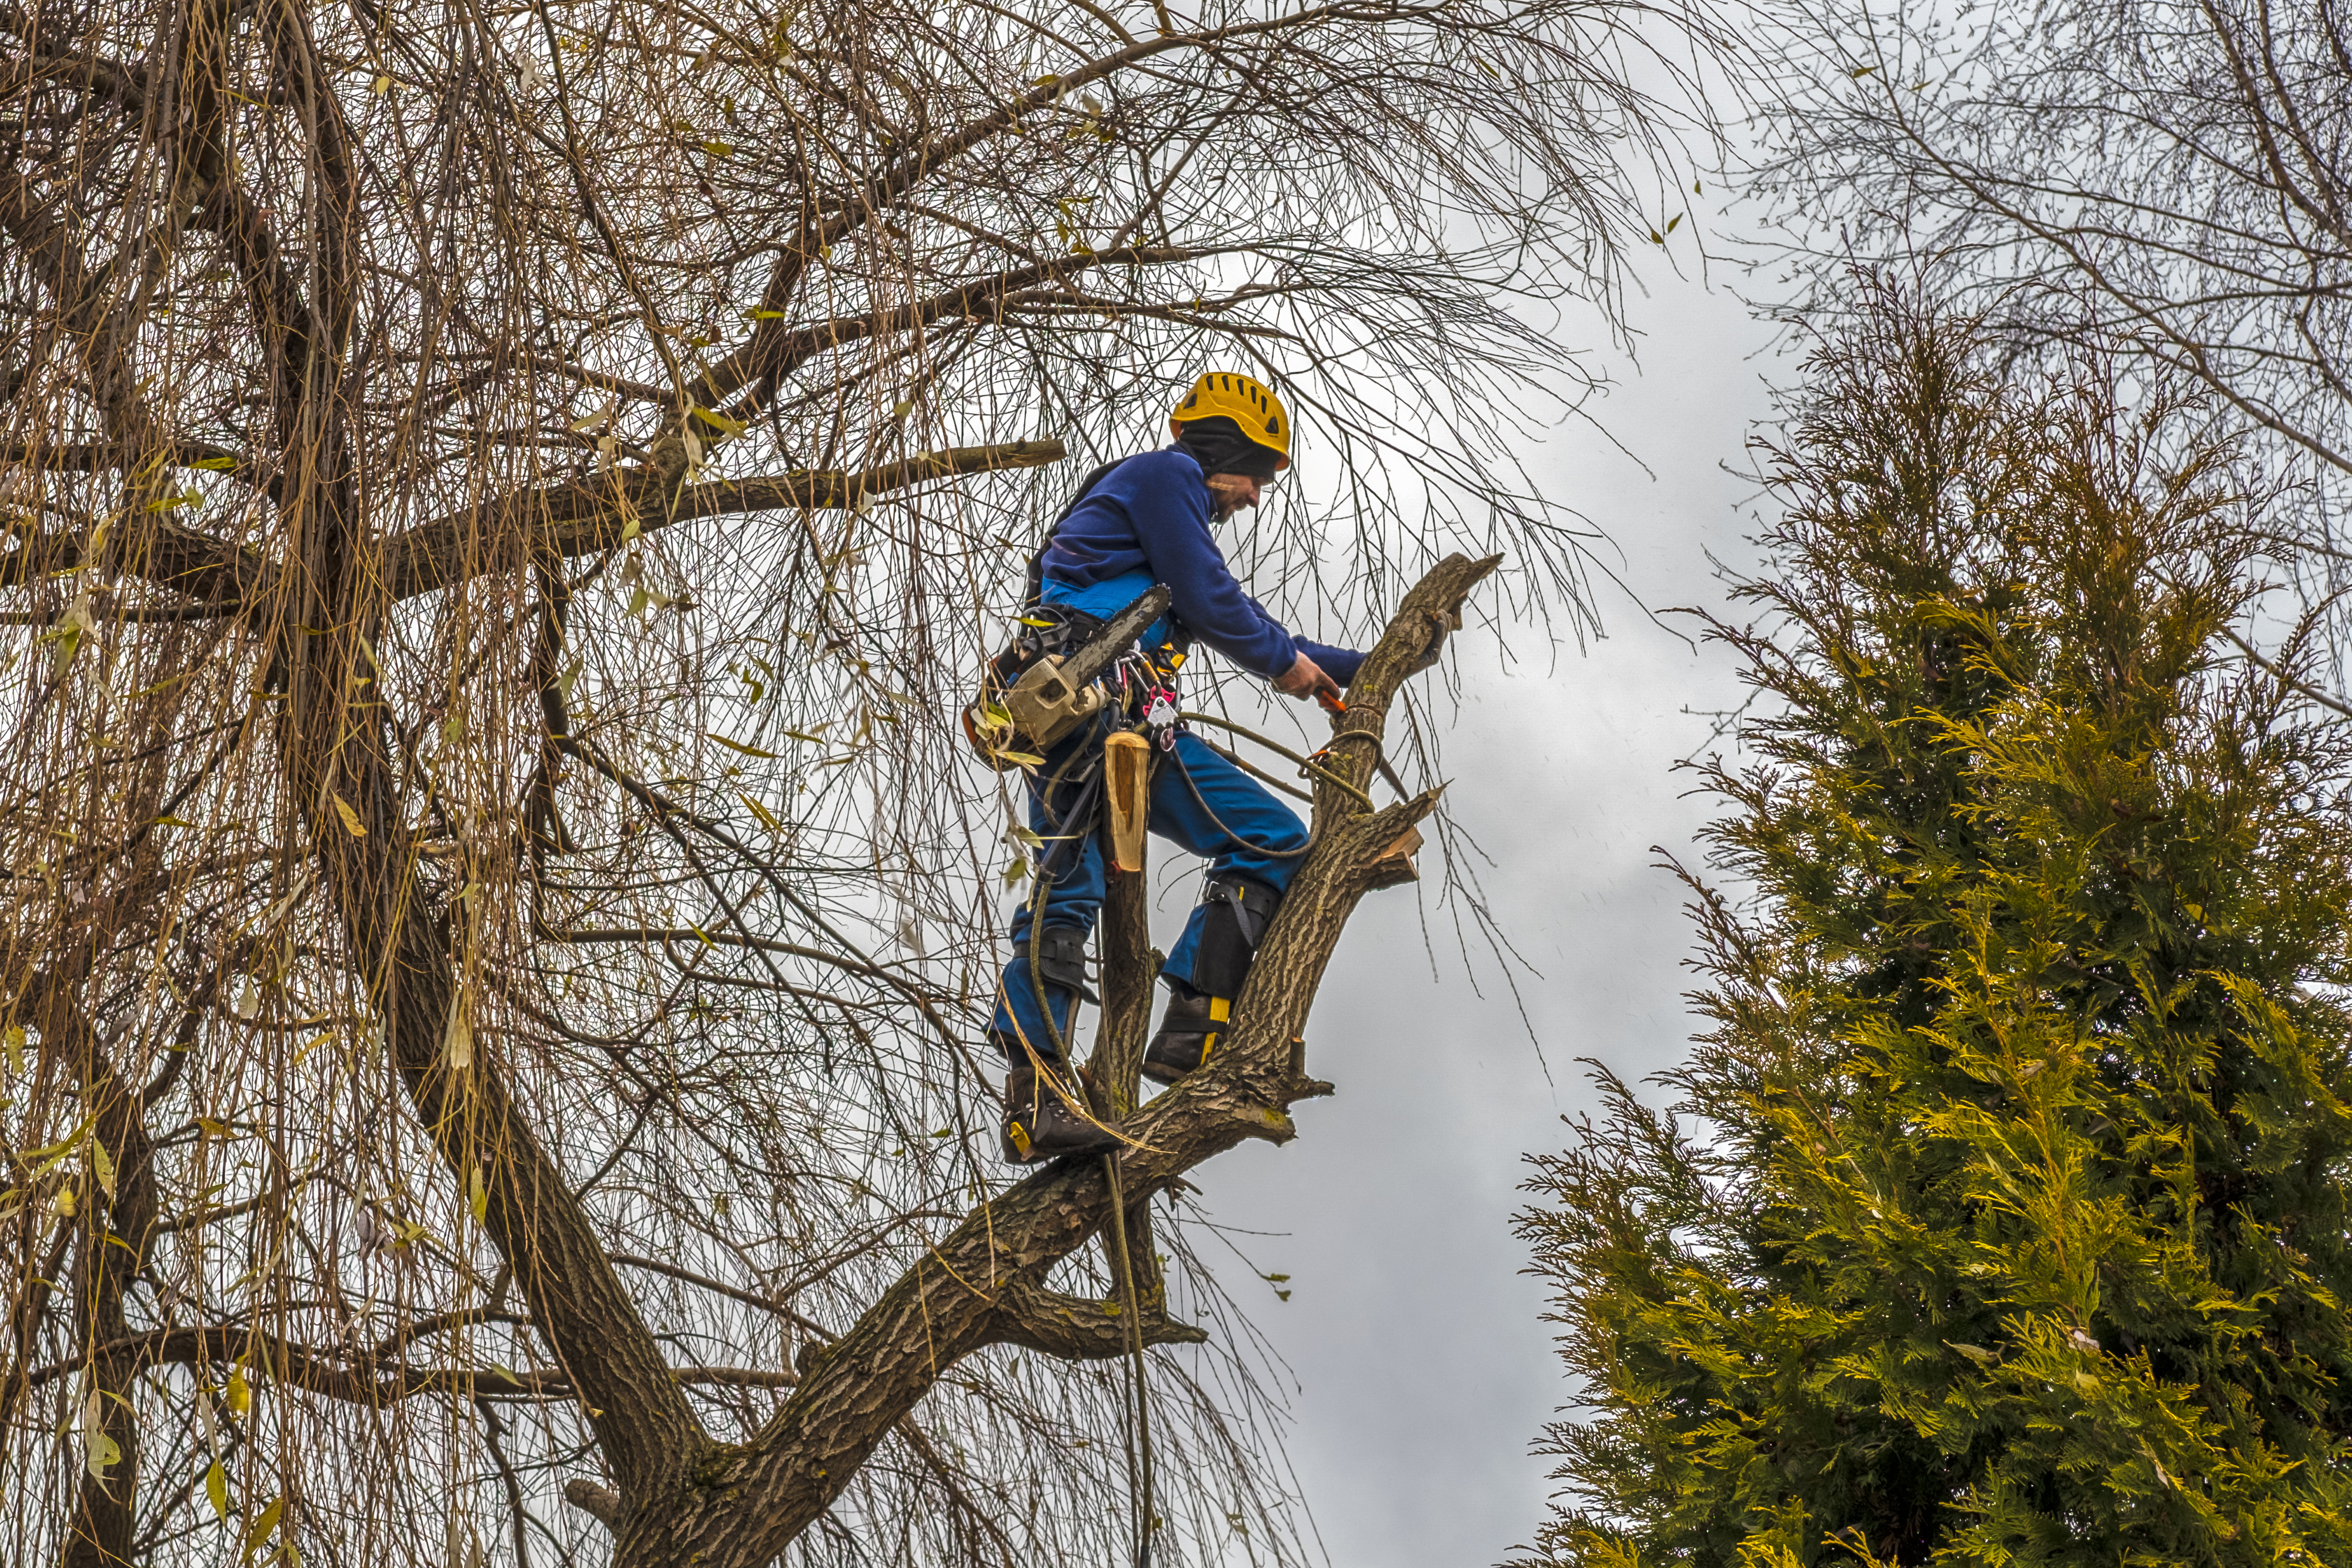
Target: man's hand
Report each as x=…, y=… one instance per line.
x=1304, y=679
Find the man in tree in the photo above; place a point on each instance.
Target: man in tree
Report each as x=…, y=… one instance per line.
x=1141, y=521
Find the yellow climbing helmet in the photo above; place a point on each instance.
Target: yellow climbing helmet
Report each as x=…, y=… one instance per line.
x=1247, y=402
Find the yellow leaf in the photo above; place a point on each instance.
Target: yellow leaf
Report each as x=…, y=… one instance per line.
x=739, y=745
x=102, y=1166
x=173, y=822
x=351, y=823
x=239, y=1395
x=215, y=465
x=478, y=1196
x=261, y=1527
x=14, y=1042
x=383, y=85
x=98, y=1451
x=767, y=818
x=719, y=421
x=216, y=1490
x=719, y=149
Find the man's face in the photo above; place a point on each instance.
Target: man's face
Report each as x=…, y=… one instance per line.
x=1233, y=492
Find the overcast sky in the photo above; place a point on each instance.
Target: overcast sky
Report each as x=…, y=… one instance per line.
x=1422, y=1369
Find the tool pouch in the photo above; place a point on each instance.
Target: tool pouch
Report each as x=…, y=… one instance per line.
x=1237, y=913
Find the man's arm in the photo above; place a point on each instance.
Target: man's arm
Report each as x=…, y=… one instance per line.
x=1168, y=505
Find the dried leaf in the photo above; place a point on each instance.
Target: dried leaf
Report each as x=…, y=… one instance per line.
x=351, y=823
x=457, y=1038
x=588, y=422
x=739, y=745
x=478, y=1196
x=13, y=1042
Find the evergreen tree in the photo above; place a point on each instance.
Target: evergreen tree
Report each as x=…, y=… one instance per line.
x=2000, y=1217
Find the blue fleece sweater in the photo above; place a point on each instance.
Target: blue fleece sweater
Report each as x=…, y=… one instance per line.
x=1147, y=521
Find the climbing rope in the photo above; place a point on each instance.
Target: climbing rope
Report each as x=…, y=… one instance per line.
x=1145, y=1522
x=1306, y=764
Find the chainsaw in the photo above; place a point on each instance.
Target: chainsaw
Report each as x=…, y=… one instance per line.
x=1058, y=692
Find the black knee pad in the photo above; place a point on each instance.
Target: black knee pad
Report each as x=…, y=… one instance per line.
x=1238, y=912
x=1061, y=961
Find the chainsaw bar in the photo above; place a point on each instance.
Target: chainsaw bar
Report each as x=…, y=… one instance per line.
x=1102, y=650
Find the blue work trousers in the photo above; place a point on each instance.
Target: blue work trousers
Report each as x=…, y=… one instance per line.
x=1199, y=802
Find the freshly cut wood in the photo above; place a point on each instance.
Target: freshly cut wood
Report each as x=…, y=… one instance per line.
x=1127, y=786
x=1393, y=865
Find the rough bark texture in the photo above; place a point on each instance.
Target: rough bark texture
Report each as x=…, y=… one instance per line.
x=1129, y=966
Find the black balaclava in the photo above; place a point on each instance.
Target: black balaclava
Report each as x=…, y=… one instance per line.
x=1219, y=446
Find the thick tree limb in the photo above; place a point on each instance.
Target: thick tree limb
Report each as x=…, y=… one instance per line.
x=780, y=354
x=573, y=520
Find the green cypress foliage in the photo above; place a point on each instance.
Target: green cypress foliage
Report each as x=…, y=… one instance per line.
x=2000, y=1217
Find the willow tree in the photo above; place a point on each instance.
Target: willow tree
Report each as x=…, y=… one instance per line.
x=2003, y=1214
x=500, y=501
x=2166, y=180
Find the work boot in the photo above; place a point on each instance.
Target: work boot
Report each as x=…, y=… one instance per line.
x=1040, y=1123
x=1189, y=1031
